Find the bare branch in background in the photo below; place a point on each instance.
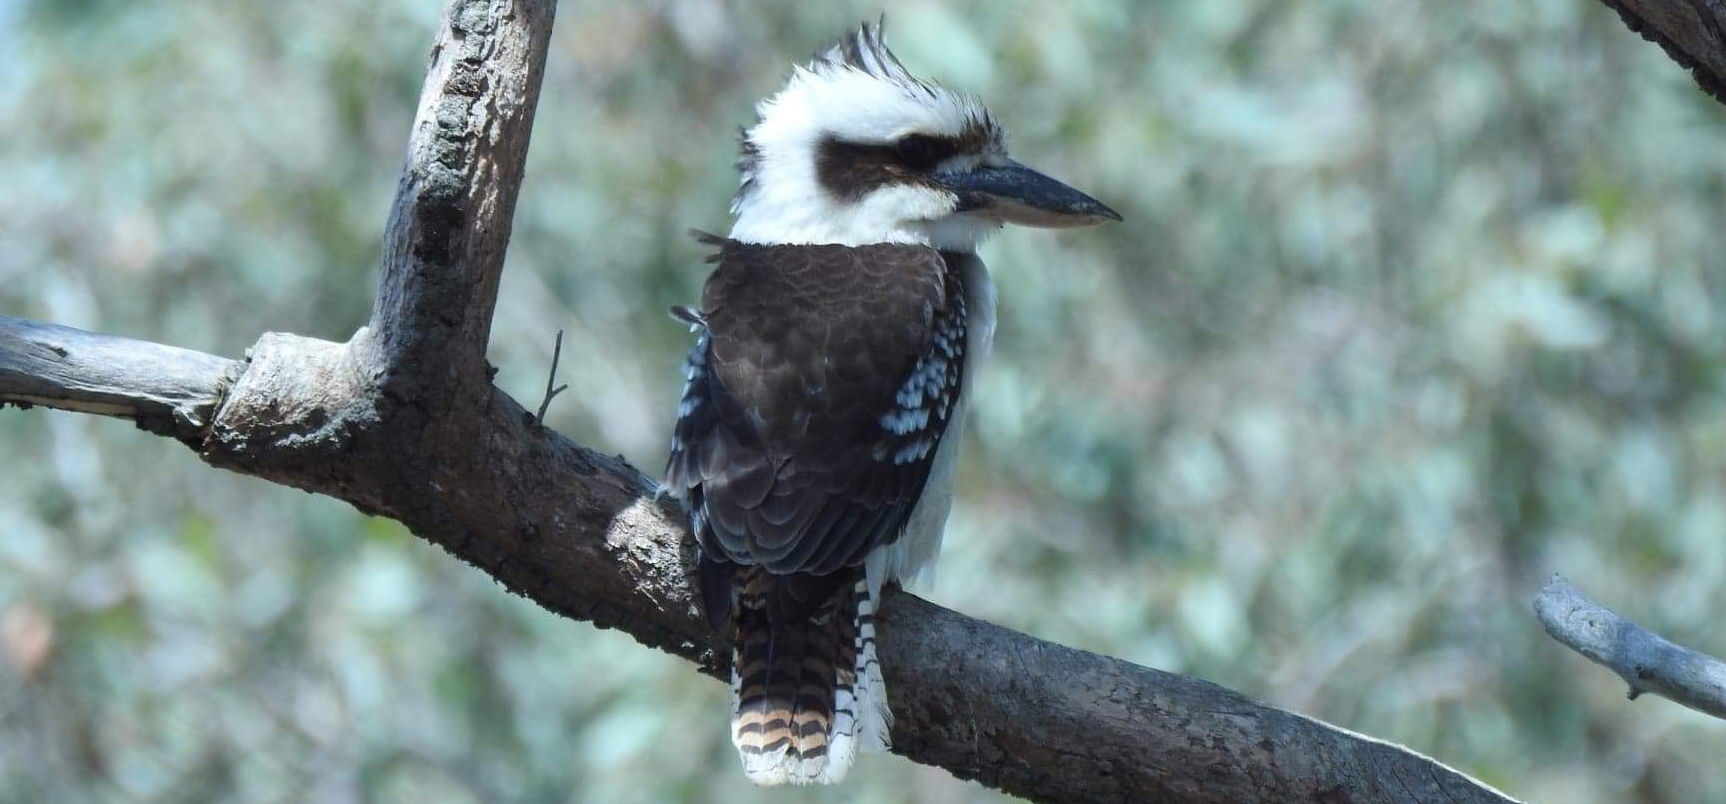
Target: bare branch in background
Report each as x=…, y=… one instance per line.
x=1646, y=661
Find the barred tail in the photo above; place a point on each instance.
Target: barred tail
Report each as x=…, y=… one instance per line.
x=806, y=691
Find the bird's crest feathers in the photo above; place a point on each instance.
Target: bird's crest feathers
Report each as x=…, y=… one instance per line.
x=855, y=91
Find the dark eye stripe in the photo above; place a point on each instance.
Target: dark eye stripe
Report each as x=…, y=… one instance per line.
x=922, y=152
x=850, y=170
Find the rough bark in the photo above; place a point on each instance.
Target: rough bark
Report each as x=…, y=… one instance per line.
x=1645, y=660
x=1016, y=713
x=1692, y=32
x=403, y=422
x=450, y=223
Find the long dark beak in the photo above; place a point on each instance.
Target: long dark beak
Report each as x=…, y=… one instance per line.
x=1017, y=194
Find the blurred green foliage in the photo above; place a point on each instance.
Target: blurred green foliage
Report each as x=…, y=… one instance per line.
x=1416, y=303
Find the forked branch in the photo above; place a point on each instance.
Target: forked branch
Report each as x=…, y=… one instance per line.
x=1017, y=713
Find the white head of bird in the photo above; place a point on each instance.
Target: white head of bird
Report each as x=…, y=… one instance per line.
x=855, y=150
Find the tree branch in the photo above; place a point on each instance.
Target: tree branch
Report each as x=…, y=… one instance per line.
x=986, y=703
x=166, y=390
x=402, y=422
x=450, y=224
x=551, y=380
x=1026, y=716
x=1646, y=662
x=1692, y=32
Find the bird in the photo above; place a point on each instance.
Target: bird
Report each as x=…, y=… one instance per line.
x=838, y=333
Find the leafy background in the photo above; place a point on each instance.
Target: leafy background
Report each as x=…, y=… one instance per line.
x=1416, y=304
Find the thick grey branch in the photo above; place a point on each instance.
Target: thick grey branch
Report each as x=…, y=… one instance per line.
x=1053, y=723
x=581, y=534
x=450, y=224
x=1647, y=662
x=166, y=390
x=1692, y=32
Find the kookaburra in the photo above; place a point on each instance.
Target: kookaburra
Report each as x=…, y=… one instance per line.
x=839, y=331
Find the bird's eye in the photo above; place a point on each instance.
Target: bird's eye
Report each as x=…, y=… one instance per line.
x=918, y=151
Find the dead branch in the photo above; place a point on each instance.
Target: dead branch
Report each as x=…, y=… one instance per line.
x=1645, y=660
x=166, y=390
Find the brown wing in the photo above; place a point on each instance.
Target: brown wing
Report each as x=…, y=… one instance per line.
x=816, y=398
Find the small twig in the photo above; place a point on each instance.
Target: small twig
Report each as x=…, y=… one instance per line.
x=1646, y=661
x=556, y=355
